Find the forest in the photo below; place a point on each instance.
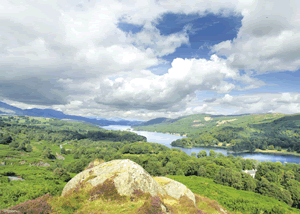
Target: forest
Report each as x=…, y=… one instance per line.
x=245, y=133
x=47, y=153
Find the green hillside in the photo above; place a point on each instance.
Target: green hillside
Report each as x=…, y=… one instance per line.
x=30, y=153
x=245, y=133
x=193, y=124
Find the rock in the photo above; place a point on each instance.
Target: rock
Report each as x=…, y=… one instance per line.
x=40, y=163
x=175, y=189
x=60, y=157
x=126, y=174
x=15, y=178
x=22, y=162
x=9, y=158
x=2, y=163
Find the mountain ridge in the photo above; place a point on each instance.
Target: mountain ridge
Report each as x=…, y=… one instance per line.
x=51, y=113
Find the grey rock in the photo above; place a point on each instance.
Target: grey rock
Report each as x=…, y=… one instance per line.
x=128, y=176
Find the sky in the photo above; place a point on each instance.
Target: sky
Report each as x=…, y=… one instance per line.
x=151, y=58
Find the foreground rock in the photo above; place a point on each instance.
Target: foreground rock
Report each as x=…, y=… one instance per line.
x=128, y=177
x=175, y=189
x=126, y=174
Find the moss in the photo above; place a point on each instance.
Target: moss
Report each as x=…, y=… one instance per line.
x=161, y=181
x=89, y=178
x=151, y=206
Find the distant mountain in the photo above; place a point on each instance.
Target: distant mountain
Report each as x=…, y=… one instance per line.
x=114, y=119
x=153, y=121
x=50, y=113
x=8, y=109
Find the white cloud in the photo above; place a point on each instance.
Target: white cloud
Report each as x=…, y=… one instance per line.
x=288, y=103
x=268, y=40
x=173, y=90
x=71, y=56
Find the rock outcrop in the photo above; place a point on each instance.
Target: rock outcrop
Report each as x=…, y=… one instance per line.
x=129, y=178
x=126, y=174
x=60, y=157
x=40, y=163
x=175, y=189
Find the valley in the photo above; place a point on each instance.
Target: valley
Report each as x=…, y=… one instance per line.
x=46, y=153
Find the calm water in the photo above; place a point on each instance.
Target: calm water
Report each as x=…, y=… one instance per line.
x=166, y=139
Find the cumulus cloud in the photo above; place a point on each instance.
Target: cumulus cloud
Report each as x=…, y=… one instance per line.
x=260, y=103
x=268, y=40
x=72, y=56
x=173, y=90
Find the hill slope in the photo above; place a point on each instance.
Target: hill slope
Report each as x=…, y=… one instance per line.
x=238, y=133
x=47, y=153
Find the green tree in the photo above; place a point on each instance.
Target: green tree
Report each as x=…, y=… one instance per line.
x=6, y=140
x=179, y=172
x=170, y=168
x=201, y=154
x=293, y=187
x=249, y=183
x=201, y=172
x=63, y=150
x=193, y=154
x=76, y=155
x=229, y=177
x=267, y=188
x=14, y=145
x=61, y=173
x=29, y=148
x=48, y=154
x=212, y=153
x=211, y=170
x=154, y=168
x=22, y=147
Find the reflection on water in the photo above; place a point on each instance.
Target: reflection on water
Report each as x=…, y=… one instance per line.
x=167, y=139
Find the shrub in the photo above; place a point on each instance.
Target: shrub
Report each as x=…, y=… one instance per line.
x=3, y=179
x=62, y=174
x=36, y=206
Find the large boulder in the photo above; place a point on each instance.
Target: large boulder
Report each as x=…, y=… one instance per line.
x=175, y=189
x=126, y=174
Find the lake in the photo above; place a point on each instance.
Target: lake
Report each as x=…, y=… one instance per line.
x=167, y=139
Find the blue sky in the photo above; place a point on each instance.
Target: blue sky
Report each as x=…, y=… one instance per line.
x=141, y=60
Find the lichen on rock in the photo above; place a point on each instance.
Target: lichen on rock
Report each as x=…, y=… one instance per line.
x=126, y=174
x=175, y=189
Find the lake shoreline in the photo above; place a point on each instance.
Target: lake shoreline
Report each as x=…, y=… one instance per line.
x=167, y=139
x=257, y=151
